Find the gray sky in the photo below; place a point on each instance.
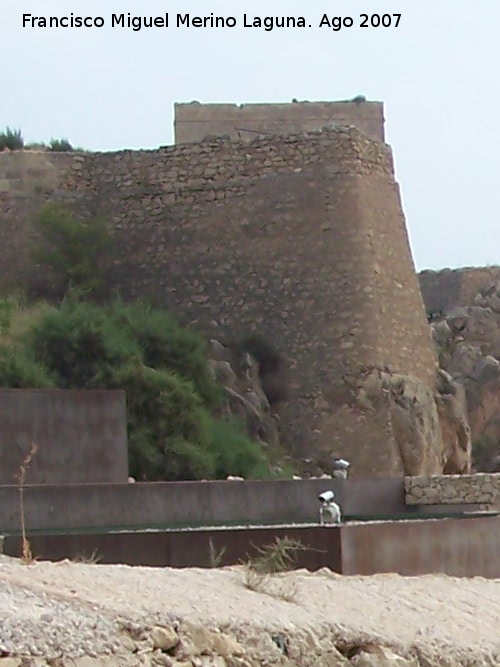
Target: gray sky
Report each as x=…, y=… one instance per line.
x=438, y=74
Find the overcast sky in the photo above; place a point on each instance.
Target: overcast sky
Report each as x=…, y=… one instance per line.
x=437, y=73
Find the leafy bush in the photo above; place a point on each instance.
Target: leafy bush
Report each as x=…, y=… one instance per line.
x=20, y=371
x=11, y=139
x=79, y=343
x=167, y=423
x=72, y=252
x=6, y=308
x=233, y=452
x=173, y=434
x=165, y=344
x=60, y=146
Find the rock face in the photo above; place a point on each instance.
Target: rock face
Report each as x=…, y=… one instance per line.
x=245, y=398
x=467, y=339
x=428, y=429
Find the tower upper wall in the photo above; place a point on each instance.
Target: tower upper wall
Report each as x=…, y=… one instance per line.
x=195, y=121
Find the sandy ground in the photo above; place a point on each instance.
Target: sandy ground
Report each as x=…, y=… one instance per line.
x=441, y=615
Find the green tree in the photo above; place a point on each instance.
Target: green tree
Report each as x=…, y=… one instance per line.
x=72, y=253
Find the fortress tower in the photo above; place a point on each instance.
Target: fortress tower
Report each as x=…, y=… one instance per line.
x=300, y=238
x=194, y=121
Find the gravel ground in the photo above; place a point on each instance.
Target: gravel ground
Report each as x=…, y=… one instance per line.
x=77, y=609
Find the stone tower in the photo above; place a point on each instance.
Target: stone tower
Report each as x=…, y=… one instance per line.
x=300, y=238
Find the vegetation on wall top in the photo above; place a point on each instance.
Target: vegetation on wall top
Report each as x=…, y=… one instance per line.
x=12, y=140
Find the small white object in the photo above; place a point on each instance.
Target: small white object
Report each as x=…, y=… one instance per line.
x=329, y=510
x=326, y=496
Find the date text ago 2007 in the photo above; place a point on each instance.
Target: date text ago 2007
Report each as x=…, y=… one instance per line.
x=336, y=23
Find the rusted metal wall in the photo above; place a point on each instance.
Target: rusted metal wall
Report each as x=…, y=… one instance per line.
x=186, y=548
x=458, y=547
x=81, y=436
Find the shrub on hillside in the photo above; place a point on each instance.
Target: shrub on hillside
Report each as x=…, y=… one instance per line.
x=233, y=452
x=166, y=344
x=79, y=342
x=60, y=146
x=168, y=423
x=72, y=253
x=170, y=394
x=11, y=139
x=18, y=370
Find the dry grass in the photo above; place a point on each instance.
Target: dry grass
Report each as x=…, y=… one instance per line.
x=91, y=559
x=215, y=556
x=26, y=553
x=275, y=585
x=264, y=572
x=279, y=556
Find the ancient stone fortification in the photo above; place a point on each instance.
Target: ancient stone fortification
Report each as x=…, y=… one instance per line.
x=298, y=237
x=195, y=121
x=447, y=289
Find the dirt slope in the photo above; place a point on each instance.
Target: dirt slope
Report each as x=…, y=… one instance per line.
x=72, y=610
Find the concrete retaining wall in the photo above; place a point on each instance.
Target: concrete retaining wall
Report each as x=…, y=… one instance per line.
x=180, y=504
x=81, y=436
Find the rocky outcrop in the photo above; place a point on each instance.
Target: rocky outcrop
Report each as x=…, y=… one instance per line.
x=467, y=339
x=190, y=645
x=244, y=396
x=429, y=428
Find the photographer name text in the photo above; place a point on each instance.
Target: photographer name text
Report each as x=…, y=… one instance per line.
x=212, y=21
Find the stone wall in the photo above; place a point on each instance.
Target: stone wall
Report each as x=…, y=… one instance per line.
x=447, y=289
x=481, y=489
x=195, y=121
x=300, y=238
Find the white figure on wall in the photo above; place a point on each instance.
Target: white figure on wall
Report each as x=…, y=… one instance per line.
x=329, y=511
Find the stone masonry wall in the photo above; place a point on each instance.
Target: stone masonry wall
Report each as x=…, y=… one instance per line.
x=481, y=489
x=447, y=289
x=195, y=121
x=299, y=237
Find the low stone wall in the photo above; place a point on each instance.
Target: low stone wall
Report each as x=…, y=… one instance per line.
x=483, y=489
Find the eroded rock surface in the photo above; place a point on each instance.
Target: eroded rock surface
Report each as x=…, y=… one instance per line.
x=244, y=396
x=429, y=428
x=468, y=343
